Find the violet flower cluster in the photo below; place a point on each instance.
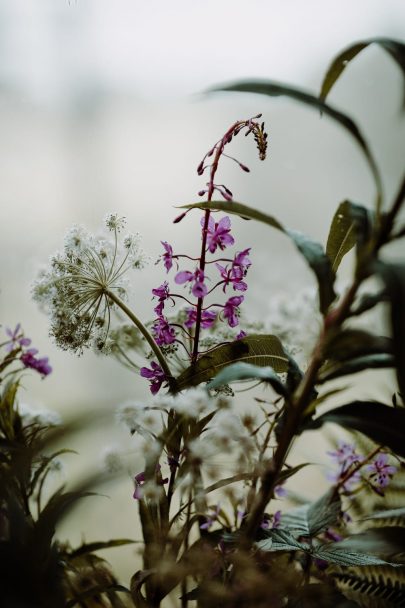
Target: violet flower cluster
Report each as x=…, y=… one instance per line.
x=227, y=273
x=355, y=470
x=17, y=348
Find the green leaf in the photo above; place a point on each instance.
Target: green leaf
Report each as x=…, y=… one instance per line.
x=97, y=546
x=339, y=64
x=274, y=89
x=338, y=555
x=383, y=424
x=281, y=540
x=311, y=519
x=387, y=514
x=359, y=364
x=352, y=343
x=312, y=251
x=246, y=371
x=265, y=350
x=386, y=542
x=342, y=234
x=393, y=276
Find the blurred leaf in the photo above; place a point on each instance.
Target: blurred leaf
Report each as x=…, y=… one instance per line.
x=393, y=276
x=339, y=64
x=335, y=554
x=289, y=472
x=97, y=546
x=383, y=424
x=265, y=350
x=342, y=234
x=96, y=590
x=274, y=89
x=246, y=371
x=311, y=519
x=312, y=251
x=359, y=364
x=387, y=514
x=352, y=343
x=387, y=542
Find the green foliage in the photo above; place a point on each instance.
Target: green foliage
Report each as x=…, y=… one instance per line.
x=260, y=350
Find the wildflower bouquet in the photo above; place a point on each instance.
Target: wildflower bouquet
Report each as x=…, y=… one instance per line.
x=219, y=535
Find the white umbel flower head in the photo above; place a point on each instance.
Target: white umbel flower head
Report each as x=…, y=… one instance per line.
x=78, y=288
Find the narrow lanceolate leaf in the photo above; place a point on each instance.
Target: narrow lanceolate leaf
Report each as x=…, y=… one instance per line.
x=393, y=276
x=387, y=515
x=383, y=424
x=97, y=546
x=342, y=233
x=311, y=519
x=263, y=351
x=274, y=89
x=312, y=251
x=339, y=64
x=246, y=371
x=352, y=343
x=353, y=366
x=343, y=557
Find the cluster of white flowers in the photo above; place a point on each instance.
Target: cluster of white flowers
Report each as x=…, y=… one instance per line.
x=38, y=415
x=78, y=288
x=296, y=320
x=140, y=418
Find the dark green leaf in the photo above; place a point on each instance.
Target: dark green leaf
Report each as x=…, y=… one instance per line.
x=97, y=546
x=393, y=276
x=342, y=234
x=338, y=555
x=359, y=364
x=352, y=343
x=258, y=350
x=386, y=542
x=394, y=48
x=281, y=540
x=289, y=472
x=274, y=89
x=246, y=371
x=383, y=424
x=312, y=251
x=311, y=519
x=96, y=590
x=387, y=514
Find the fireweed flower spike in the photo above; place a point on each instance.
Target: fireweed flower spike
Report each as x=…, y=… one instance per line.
x=85, y=282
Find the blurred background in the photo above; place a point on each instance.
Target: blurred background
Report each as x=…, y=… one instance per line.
x=103, y=108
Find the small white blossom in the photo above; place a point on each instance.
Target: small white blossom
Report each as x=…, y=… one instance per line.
x=139, y=418
x=112, y=460
x=38, y=415
x=114, y=222
x=152, y=491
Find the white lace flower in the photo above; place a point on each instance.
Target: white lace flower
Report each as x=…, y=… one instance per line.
x=80, y=287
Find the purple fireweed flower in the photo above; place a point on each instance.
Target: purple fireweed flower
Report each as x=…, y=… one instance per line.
x=211, y=519
x=161, y=292
x=232, y=276
x=41, y=365
x=140, y=479
x=155, y=375
x=381, y=471
x=207, y=318
x=167, y=256
x=230, y=310
x=276, y=520
x=163, y=332
x=17, y=339
x=242, y=260
x=199, y=289
x=345, y=455
x=241, y=334
x=280, y=491
x=218, y=233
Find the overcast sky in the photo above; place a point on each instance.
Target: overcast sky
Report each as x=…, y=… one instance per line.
x=52, y=49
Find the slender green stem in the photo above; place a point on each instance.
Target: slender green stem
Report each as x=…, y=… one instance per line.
x=155, y=348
